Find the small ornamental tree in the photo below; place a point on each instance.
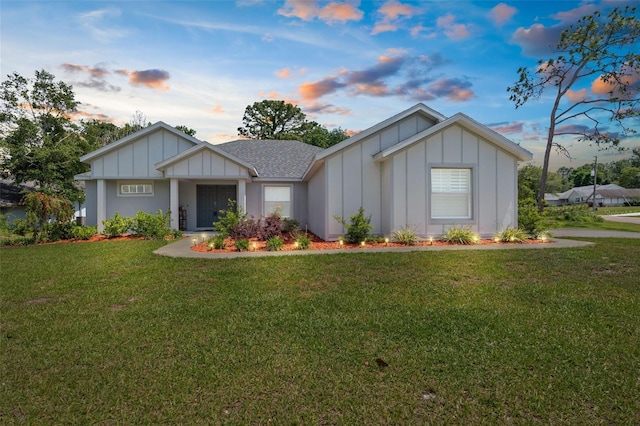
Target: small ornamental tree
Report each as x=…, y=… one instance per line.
x=41, y=208
x=359, y=229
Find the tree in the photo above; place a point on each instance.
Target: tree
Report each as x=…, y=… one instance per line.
x=184, y=129
x=529, y=181
x=598, y=50
x=318, y=135
x=270, y=119
x=37, y=134
x=630, y=177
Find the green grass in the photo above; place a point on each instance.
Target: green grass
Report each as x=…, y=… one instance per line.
x=610, y=226
x=617, y=210
x=108, y=333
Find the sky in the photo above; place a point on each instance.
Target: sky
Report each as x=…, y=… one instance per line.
x=345, y=63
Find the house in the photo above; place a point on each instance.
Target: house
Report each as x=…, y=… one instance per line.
x=418, y=169
x=616, y=197
x=606, y=195
x=11, y=196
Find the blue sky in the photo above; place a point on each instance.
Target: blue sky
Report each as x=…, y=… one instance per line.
x=345, y=63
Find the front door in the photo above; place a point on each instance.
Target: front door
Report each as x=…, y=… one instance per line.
x=210, y=199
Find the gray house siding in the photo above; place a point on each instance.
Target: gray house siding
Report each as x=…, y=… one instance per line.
x=316, y=197
x=129, y=205
x=493, y=183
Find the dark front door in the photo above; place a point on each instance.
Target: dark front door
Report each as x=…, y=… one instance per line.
x=210, y=199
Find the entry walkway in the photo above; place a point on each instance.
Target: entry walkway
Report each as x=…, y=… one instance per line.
x=182, y=248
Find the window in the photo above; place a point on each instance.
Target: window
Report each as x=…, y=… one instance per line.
x=136, y=188
x=450, y=193
x=277, y=197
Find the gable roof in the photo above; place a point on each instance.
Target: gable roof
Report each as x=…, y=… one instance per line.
x=421, y=108
x=585, y=191
x=204, y=146
x=287, y=159
x=469, y=124
x=142, y=132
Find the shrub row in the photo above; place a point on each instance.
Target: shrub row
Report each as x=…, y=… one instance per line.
x=145, y=224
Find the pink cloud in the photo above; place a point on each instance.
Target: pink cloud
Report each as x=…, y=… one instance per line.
x=315, y=90
x=577, y=95
x=153, y=78
x=283, y=73
x=286, y=73
x=307, y=10
x=451, y=29
x=217, y=109
x=508, y=128
x=502, y=13
x=628, y=79
x=393, y=9
x=382, y=27
x=418, y=29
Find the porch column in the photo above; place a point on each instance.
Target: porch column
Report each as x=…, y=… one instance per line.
x=101, y=203
x=174, y=203
x=242, y=194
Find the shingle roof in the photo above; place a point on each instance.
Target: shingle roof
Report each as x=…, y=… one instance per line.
x=274, y=158
x=11, y=194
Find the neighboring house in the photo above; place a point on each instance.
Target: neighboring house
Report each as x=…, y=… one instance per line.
x=615, y=197
x=418, y=169
x=584, y=194
x=10, y=199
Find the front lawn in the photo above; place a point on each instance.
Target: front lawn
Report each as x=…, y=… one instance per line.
x=108, y=333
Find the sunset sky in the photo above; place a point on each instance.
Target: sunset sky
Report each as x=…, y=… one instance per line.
x=344, y=63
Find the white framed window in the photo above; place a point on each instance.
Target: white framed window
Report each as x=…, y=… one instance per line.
x=277, y=198
x=451, y=193
x=135, y=188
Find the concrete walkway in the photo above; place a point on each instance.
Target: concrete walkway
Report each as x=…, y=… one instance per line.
x=182, y=248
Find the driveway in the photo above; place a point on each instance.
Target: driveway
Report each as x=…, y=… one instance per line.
x=602, y=233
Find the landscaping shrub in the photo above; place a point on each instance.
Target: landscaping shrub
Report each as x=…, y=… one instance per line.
x=151, y=226
x=270, y=226
x=4, y=224
x=234, y=223
x=529, y=219
x=406, y=236
x=218, y=242
x=83, y=232
x=116, y=226
x=241, y=244
x=304, y=242
x=512, y=235
x=20, y=227
x=274, y=243
x=460, y=235
x=576, y=213
x=290, y=225
x=41, y=208
x=57, y=231
x=359, y=229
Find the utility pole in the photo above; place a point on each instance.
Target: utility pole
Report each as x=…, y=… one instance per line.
x=595, y=181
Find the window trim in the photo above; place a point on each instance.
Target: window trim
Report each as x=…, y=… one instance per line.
x=135, y=183
x=264, y=198
x=471, y=194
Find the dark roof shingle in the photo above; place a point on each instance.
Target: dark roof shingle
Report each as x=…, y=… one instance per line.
x=274, y=158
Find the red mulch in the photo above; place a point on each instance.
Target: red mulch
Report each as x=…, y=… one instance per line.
x=319, y=244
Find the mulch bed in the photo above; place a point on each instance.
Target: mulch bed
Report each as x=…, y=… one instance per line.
x=319, y=244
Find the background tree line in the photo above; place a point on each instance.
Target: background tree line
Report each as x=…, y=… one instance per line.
x=625, y=172
x=41, y=143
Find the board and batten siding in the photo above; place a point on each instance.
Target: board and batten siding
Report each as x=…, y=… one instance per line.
x=493, y=183
x=353, y=179
x=136, y=160
x=317, y=210
x=206, y=164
